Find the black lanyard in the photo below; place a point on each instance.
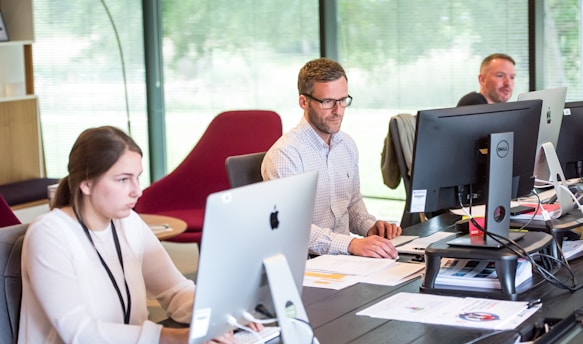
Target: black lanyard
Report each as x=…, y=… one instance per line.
x=126, y=311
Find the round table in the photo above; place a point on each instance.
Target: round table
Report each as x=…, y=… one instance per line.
x=165, y=227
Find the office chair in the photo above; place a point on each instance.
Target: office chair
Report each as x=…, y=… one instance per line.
x=244, y=169
x=397, y=159
x=11, y=239
x=183, y=192
x=7, y=217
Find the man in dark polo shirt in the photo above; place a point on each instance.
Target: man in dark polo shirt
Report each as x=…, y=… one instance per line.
x=496, y=80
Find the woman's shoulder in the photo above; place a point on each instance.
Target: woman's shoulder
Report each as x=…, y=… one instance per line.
x=54, y=225
x=55, y=217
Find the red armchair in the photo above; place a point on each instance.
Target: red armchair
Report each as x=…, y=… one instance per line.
x=183, y=192
x=7, y=217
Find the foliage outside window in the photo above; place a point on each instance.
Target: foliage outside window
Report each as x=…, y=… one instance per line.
x=401, y=56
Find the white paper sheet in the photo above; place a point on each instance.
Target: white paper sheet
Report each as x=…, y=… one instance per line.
x=419, y=245
x=348, y=264
x=453, y=311
x=338, y=271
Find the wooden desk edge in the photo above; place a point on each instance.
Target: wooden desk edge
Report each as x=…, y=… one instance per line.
x=176, y=225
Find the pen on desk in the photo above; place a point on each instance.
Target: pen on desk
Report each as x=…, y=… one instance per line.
x=419, y=248
x=533, y=303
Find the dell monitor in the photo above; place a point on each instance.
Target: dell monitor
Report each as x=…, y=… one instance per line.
x=253, y=252
x=451, y=157
x=569, y=147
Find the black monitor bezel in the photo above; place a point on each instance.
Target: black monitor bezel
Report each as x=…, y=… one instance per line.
x=569, y=149
x=449, y=130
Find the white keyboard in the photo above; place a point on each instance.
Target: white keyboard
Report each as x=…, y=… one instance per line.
x=268, y=333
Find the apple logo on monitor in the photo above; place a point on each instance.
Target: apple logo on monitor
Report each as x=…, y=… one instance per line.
x=273, y=220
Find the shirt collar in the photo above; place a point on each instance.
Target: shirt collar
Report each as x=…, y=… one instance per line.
x=313, y=136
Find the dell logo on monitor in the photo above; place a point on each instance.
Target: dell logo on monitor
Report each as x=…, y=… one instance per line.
x=502, y=149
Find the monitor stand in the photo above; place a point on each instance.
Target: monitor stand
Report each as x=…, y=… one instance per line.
x=500, y=161
x=504, y=259
x=548, y=159
x=480, y=241
x=499, y=193
x=287, y=301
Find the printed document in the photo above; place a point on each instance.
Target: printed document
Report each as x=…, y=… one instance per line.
x=452, y=311
x=340, y=271
x=419, y=245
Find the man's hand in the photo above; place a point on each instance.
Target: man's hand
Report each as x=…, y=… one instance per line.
x=385, y=229
x=372, y=246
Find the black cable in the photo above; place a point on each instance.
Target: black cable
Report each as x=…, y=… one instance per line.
x=261, y=309
x=520, y=252
x=517, y=336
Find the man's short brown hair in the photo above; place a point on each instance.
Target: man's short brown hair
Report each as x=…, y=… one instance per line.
x=489, y=58
x=319, y=70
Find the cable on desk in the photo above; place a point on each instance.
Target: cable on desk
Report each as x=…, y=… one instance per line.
x=520, y=252
x=264, y=311
x=565, y=188
x=261, y=309
x=233, y=322
x=488, y=336
x=538, y=207
x=249, y=317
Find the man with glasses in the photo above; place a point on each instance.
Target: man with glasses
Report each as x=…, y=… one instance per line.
x=317, y=143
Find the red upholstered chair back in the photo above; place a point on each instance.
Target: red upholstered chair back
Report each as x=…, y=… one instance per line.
x=183, y=192
x=7, y=217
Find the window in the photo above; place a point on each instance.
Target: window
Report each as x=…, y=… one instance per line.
x=561, y=58
x=403, y=56
x=400, y=56
x=79, y=74
x=223, y=55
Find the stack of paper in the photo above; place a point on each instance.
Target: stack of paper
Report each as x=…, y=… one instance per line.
x=572, y=249
x=478, y=273
x=340, y=271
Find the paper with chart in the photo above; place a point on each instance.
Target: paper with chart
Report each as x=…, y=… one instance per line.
x=452, y=311
x=340, y=271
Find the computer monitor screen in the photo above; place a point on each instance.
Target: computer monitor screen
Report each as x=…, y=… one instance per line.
x=449, y=152
x=244, y=227
x=569, y=147
x=549, y=127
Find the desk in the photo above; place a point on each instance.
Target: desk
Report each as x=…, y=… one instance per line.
x=174, y=225
x=333, y=312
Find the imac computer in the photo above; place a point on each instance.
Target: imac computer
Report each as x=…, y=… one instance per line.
x=569, y=147
x=550, y=124
x=479, y=154
x=547, y=168
x=253, y=253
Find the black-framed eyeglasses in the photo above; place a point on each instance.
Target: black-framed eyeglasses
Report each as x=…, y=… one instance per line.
x=328, y=103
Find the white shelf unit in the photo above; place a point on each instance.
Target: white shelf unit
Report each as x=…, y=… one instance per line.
x=20, y=139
